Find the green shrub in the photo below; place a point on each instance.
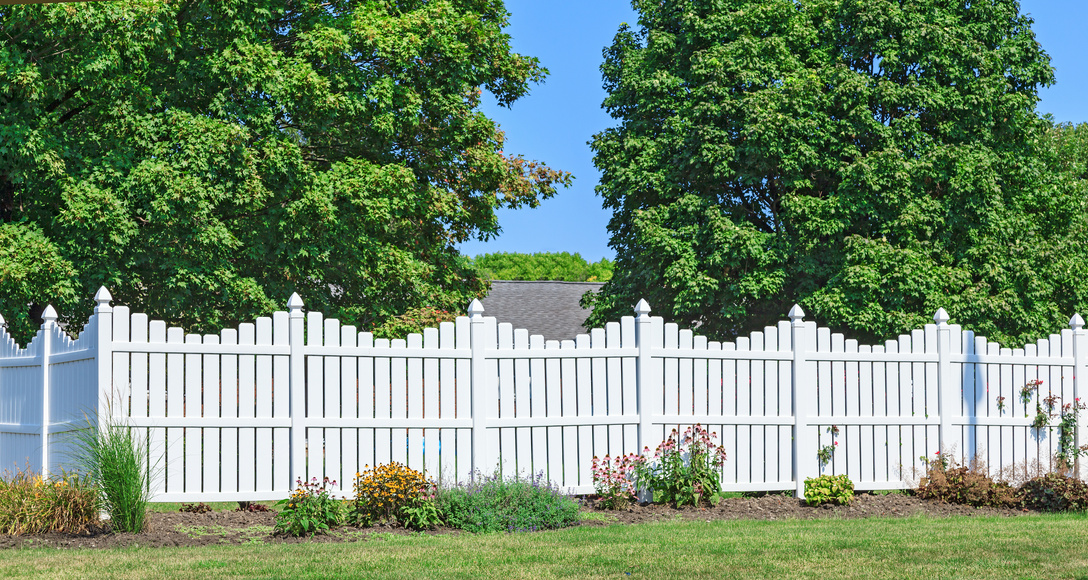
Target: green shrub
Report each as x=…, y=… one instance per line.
x=309, y=509
x=1054, y=492
x=117, y=461
x=949, y=482
x=684, y=469
x=30, y=504
x=834, y=489
x=494, y=504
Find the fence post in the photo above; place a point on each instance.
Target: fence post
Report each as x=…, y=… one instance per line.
x=948, y=396
x=805, y=460
x=49, y=318
x=483, y=457
x=643, y=387
x=1080, y=361
x=296, y=386
x=103, y=347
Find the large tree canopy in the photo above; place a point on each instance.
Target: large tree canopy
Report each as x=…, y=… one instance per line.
x=205, y=158
x=872, y=160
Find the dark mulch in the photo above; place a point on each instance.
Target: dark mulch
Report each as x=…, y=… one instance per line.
x=233, y=527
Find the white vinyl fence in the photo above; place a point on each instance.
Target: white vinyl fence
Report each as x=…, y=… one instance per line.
x=240, y=415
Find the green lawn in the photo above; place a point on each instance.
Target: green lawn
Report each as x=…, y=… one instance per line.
x=1035, y=546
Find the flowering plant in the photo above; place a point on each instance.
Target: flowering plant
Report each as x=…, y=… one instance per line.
x=1001, y=404
x=1028, y=390
x=685, y=468
x=614, y=478
x=1067, y=427
x=825, y=453
x=309, y=509
x=393, y=491
x=939, y=463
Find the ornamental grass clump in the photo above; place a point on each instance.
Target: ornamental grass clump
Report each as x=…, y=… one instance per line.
x=395, y=492
x=116, y=459
x=515, y=504
x=32, y=504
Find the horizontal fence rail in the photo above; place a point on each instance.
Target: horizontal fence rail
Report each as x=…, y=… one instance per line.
x=242, y=414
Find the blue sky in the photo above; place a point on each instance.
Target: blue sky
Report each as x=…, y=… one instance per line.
x=556, y=120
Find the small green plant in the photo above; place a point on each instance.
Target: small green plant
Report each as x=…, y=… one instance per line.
x=394, y=492
x=309, y=510
x=1001, y=404
x=685, y=469
x=826, y=453
x=31, y=504
x=1055, y=492
x=1041, y=419
x=614, y=479
x=1067, y=434
x=421, y=514
x=1028, y=391
x=833, y=489
x=514, y=504
x=199, y=508
x=116, y=458
x=939, y=461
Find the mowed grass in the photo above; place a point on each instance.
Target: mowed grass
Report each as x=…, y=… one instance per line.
x=1035, y=546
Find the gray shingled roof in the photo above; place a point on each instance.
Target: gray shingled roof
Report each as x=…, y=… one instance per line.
x=547, y=308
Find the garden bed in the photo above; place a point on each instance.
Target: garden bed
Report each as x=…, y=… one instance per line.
x=235, y=527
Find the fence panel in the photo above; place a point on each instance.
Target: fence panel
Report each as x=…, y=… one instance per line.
x=242, y=413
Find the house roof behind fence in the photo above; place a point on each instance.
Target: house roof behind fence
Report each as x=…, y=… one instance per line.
x=547, y=308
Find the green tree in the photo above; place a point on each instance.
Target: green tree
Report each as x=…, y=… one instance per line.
x=872, y=160
x=204, y=159
x=562, y=266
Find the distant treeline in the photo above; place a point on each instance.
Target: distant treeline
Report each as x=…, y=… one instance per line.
x=542, y=266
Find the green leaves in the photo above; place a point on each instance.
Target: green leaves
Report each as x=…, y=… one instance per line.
x=870, y=160
x=206, y=159
x=542, y=266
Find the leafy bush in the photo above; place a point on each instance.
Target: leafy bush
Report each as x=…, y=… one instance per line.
x=30, y=504
x=117, y=460
x=1054, y=492
x=494, y=504
x=949, y=482
x=414, y=320
x=394, y=492
x=834, y=489
x=685, y=469
x=309, y=510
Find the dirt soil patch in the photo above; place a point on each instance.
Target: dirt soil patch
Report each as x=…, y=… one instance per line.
x=234, y=527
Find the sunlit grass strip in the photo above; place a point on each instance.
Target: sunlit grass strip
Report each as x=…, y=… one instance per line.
x=1036, y=546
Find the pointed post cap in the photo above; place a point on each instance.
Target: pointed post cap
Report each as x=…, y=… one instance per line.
x=642, y=308
x=102, y=298
x=941, y=317
x=294, y=303
x=475, y=309
x=796, y=313
x=50, y=315
x=1076, y=323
